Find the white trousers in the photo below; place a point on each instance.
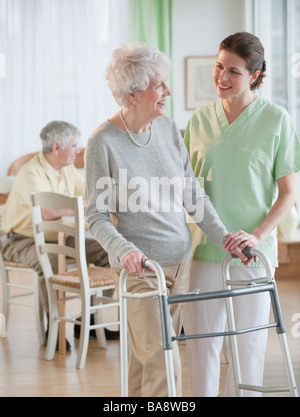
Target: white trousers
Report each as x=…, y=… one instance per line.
x=210, y=316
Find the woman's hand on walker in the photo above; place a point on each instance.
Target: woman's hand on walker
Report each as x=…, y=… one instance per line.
x=132, y=263
x=238, y=251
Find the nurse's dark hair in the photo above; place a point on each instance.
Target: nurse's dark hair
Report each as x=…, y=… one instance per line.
x=248, y=47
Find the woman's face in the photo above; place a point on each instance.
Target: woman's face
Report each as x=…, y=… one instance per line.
x=231, y=77
x=152, y=101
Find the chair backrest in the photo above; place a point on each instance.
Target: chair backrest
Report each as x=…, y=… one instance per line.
x=6, y=184
x=49, y=200
x=18, y=163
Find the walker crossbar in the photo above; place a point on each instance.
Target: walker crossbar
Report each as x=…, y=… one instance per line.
x=255, y=289
x=181, y=298
x=220, y=334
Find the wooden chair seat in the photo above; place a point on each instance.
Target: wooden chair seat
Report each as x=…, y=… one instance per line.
x=16, y=265
x=98, y=277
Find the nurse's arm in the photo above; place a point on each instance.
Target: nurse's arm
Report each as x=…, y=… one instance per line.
x=284, y=203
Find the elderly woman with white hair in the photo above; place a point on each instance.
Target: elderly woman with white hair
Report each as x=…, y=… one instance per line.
x=137, y=168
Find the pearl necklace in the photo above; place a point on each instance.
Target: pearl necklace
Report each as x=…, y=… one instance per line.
x=130, y=135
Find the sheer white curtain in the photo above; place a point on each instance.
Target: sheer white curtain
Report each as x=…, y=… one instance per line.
x=56, y=54
x=277, y=25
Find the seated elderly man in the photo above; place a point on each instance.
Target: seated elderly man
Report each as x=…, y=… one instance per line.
x=51, y=170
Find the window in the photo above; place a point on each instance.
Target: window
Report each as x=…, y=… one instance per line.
x=277, y=23
x=56, y=54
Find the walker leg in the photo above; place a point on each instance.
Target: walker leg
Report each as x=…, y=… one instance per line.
x=123, y=347
x=280, y=328
x=283, y=340
x=231, y=327
x=170, y=373
x=288, y=364
x=234, y=348
x=167, y=344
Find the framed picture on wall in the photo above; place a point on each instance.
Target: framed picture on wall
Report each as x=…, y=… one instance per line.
x=199, y=84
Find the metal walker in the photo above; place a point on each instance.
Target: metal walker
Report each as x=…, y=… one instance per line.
x=266, y=284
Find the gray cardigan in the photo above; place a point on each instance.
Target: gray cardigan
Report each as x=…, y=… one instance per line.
x=149, y=189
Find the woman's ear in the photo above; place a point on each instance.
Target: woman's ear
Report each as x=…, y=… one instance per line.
x=131, y=98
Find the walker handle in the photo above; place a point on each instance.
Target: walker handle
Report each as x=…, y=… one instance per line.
x=144, y=262
x=246, y=251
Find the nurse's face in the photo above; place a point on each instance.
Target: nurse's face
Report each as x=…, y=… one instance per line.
x=231, y=77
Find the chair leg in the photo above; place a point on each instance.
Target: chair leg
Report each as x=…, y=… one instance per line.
x=2, y=325
x=5, y=295
x=53, y=328
x=52, y=340
x=84, y=339
x=39, y=312
x=100, y=333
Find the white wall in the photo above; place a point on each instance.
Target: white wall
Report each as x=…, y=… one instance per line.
x=198, y=28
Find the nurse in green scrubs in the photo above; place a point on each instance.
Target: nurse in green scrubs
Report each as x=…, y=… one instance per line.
x=247, y=150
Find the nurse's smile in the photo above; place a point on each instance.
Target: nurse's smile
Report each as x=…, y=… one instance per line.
x=223, y=87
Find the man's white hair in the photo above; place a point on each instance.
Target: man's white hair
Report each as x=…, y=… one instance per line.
x=59, y=132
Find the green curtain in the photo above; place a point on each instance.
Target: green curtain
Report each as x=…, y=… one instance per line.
x=152, y=24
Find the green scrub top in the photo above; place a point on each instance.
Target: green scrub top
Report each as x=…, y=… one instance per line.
x=240, y=163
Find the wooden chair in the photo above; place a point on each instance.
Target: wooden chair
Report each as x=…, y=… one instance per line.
x=84, y=282
x=6, y=267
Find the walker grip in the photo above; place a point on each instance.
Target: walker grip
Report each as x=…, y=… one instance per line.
x=144, y=262
x=246, y=251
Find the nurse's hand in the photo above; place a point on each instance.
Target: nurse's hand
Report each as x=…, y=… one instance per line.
x=241, y=239
x=132, y=263
x=238, y=241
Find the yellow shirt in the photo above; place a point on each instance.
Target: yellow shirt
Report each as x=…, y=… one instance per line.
x=37, y=175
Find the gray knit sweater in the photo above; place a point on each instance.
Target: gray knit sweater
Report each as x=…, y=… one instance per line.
x=149, y=189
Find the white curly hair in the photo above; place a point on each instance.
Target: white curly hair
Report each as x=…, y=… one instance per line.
x=131, y=69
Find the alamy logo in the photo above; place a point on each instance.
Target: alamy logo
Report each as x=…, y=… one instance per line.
x=159, y=195
x=296, y=326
